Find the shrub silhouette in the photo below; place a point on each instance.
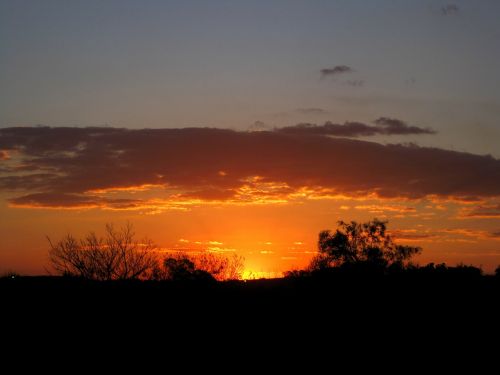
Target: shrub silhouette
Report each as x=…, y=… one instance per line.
x=117, y=256
x=221, y=267
x=181, y=266
x=361, y=243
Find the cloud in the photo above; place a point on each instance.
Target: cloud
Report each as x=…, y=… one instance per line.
x=4, y=155
x=466, y=235
x=215, y=243
x=259, y=126
x=483, y=211
x=383, y=126
x=312, y=111
x=385, y=208
x=64, y=200
x=412, y=235
x=450, y=10
x=464, y=232
x=445, y=235
x=336, y=70
x=180, y=168
x=395, y=126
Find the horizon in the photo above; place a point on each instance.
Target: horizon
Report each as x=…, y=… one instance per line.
x=248, y=128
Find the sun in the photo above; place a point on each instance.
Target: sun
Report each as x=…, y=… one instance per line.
x=250, y=274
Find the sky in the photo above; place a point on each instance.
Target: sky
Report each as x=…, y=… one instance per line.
x=248, y=127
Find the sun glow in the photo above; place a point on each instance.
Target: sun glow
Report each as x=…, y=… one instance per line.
x=250, y=274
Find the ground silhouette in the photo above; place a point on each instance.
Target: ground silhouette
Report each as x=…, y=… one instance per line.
x=355, y=289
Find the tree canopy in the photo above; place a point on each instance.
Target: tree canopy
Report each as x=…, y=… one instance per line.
x=116, y=256
x=355, y=243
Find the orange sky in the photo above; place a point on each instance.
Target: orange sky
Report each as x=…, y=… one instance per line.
x=274, y=232
x=248, y=127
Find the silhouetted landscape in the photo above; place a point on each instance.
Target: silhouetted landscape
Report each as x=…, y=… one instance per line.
x=359, y=271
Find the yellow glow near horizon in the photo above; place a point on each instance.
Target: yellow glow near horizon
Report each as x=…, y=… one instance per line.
x=272, y=238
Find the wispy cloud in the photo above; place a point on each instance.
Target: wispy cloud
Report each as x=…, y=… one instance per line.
x=395, y=126
x=385, y=208
x=336, y=70
x=312, y=111
x=4, y=155
x=215, y=243
x=383, y=126
x=466, y=235
x=482, y=211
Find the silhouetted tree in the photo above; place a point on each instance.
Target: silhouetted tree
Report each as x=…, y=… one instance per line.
x=497, y=272
x=355, y=243
x=466, y=270
x=180, y=266
x=295, y=274
x=221, y=267
x=117, y=256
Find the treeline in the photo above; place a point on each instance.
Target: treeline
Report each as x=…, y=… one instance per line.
x=120, y=256
x=368, y=249
x=359, y=249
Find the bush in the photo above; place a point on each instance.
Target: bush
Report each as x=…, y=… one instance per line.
x=117, y=256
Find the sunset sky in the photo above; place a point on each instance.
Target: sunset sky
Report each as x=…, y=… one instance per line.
x=247, y=127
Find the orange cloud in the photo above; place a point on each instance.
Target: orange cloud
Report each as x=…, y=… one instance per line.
x=382, y=208
x=486, y=211
x=4, y=155
x=465, y=235
x=128, y=189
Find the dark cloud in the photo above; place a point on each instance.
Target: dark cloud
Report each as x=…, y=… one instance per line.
x=259, y=126
x=336, y=70
x=450, y=9
x=64, y=200
x=383, y=126
x=392, y=126
x=69, y=166
x=312, y=111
